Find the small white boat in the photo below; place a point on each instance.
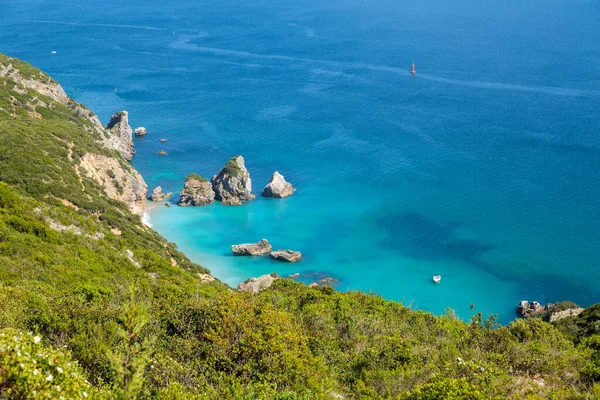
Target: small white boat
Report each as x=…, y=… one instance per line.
x=437, y=278
x=53, y=52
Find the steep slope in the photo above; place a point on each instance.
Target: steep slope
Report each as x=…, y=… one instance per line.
x=95, y=286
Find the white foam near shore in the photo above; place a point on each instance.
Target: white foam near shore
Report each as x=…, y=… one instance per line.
x=142, y=211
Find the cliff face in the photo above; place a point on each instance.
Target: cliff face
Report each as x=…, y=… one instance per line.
x=119, y=183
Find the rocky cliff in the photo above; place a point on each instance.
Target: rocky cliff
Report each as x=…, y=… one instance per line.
x=232, y=185
x=120, y=135
x=120, y=181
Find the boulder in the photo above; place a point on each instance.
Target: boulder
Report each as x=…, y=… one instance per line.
x=197, y=191
x=252, y=249
x=286, y=255
x=313, y=285
x=255, y=285
x=120, y=135
x=140, y=131
x=278, y=187
x=530, y=309
x=158, y=195
x=232, y=185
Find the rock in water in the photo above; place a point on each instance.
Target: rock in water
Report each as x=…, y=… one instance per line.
x=232, y=185
x=278, y=187
x=255, y=285
x=140, y=131
x=158, y=195
x=197, y=191
x=252, y=249
x=120, y=135
x=286, y=255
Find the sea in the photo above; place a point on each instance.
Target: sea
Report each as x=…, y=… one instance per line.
x=483, y=167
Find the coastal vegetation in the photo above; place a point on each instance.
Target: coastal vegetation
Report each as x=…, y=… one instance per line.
x=95, y=304
x=196, y=177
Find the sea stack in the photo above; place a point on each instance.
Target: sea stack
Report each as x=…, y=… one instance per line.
x=197, y=191
x=140, y=131
x=121, y=135
x=158, y=195
x=278, y=187
x=232, y=185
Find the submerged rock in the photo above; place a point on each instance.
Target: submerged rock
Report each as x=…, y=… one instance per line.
x=140, y=131
x=278, y=187
x=255, y=285
x=232, y=185
x=197, y=191
x=158, y=195
x=252, y=249
x=327, y=281
x=286, y=255
x=120, y=135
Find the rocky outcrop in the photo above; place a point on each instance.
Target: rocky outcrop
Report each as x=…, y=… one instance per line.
x=255, y=285
x=140, y=131
x=552, y=312
x=197, y=191
x=120, y=182
x=158, y=195
x=529, y=309
x=252, y=249
x=286, y=255
x=278, y=187
x=232, y=185
x=120, y=135
x=569, y=312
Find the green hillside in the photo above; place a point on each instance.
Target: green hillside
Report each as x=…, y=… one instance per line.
x=95, y=304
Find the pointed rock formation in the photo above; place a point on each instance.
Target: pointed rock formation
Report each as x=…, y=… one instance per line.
x=120, y=138
x=252, y=249
x=158, y=195
x=278, y=187
x=197, y=191
x=232, y=185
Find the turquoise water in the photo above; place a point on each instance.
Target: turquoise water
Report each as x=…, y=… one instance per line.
x=483, y=167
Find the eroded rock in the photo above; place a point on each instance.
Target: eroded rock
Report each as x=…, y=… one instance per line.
x=158, y=195
x=120, y=135
x=278, y=187
x=286, y=255
x=232, y=185
x=252, y=249
x=197, y=191
x=140, y=131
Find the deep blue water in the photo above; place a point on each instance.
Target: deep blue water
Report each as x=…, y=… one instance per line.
x=483, y=167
